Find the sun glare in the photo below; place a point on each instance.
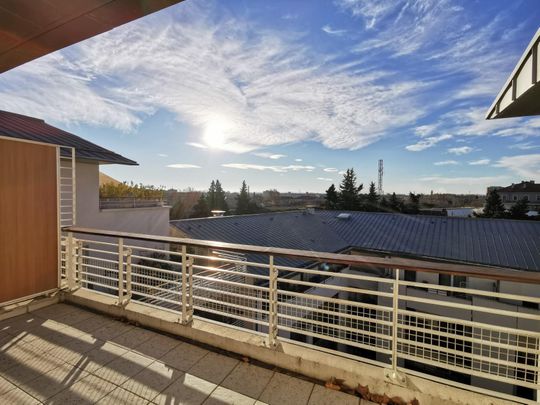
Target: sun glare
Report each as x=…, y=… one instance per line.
x=215, y=134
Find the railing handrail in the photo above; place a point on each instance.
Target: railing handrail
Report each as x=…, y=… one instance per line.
x=428, y=266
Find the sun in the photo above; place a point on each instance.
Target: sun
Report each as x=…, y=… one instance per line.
x=215, y=133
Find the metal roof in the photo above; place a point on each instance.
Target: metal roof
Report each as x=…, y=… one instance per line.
x=520, y=94
x=34, y=129
x=33, y=28
x=495, y=242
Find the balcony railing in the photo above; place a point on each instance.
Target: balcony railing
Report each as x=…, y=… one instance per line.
x=129, y=202
x=354, y=306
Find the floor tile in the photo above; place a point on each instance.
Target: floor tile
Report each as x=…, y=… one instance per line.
x=88, y=390
x=188, y=390
x=222, y=396
x=98, y=357
x=283, y=390
x=157, y=346
x=5, y=386
x=124, y=367
x=323, y=396
x=184, y=356
x=111, y=330
x=120, y=396
x=17, y=397
x=32, y=368
x=214, y=367
x=152, y=380
x=248, y=379
x=133, y=338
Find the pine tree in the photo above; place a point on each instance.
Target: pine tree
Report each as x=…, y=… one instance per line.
x=413, y=206
x=395, y=204
x=211, y=196
x=201, y=209
x=519, y=209
x=332, y=198
x=372, y=199
x=220, y=202
x=177, y=210
x=243, y=204
x=494, y=207
x=349, y=195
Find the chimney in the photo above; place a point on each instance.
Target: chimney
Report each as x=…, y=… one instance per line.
x=310, y=209
x=217, y=213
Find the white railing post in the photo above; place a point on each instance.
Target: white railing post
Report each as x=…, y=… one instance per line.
x=120, y=270
x=190, y=291
x=128, y=253
x=395, y=308
x=70, y=261
x=272, y=304
x=79, y=262
x=184, y=286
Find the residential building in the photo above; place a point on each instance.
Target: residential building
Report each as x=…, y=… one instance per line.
x=528, y=190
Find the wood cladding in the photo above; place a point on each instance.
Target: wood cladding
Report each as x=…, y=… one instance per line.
x=28, y=219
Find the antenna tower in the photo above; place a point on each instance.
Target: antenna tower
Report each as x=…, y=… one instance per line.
x=381, y=172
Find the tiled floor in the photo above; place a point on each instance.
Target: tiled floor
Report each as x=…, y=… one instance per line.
x=64, y=355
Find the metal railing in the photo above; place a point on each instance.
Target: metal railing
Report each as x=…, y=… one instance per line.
x=129, y=202
x=354, y=306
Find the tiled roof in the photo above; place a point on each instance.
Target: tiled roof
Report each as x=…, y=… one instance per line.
x=34, y=129
x=496, y=242
x=523, y=187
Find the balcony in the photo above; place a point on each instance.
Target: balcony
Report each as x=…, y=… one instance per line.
x=324, y=316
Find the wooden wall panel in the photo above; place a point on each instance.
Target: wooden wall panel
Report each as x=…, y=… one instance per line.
x=28, y=219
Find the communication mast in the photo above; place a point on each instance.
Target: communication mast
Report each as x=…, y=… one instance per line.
x=381, y=172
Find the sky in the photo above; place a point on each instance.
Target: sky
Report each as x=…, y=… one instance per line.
x=289, y=94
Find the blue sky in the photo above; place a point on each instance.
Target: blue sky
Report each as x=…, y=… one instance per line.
x=288, y=94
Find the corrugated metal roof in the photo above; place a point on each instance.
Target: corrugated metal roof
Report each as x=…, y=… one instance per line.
x=34, y=129
x=497, y=242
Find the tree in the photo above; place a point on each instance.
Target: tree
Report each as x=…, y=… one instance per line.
x=413, y=206
x=177, y=211
x=519, y=209
x=494, y=207
x=220, y=202
x=372, y=199
x=201, y=209
x=332, y=198
x=395, y=204
x=211, y=196
x=349, y=195
x=243, y=204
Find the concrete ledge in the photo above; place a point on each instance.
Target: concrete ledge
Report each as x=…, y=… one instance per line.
x=299, y=359
x=23, y=307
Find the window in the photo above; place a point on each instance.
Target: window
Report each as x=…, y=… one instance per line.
x=537, y=197
x=526, y=197
x=515, y=198
x=410, y=275
x=445, y=279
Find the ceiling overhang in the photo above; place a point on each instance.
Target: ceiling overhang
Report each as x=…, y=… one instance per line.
x=33, y=28
x=520, y=95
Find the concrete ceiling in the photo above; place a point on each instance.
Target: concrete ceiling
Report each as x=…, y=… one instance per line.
x=33, y=28
x=520, y=95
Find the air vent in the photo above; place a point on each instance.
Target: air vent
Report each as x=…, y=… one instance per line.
x=344, y=215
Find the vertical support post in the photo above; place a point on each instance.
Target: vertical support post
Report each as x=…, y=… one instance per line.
x=395, y=308
x=120, y=270
x=79, y=262
x=128, y=253
x=272, y=305
x=70, y=261
x=184, y=285
x=73, y=189
x=190, y=290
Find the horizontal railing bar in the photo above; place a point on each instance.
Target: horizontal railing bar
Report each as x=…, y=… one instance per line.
x=84, y=273
x=334, y=287
x=224, y=260
x=478, y=271
x=108, y=252
x=227, y=271
x=84, y=281
x=100, y=259
x=228, y=293
x=241, y=318
x=229, y=304
x=152, y=259
x=217, y=280
x=154, y=250
x=156, y=269
x=336, y=274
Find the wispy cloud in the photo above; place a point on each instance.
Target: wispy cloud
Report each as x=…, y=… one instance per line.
x=526, y=166
x=298, y=160
x=330, y=170
x=197, y=145
x=162, y=155
x=480, y=162
x=183, y=166
x=461, y=150
x=277, y=169
x=428, y=142
x=525, y=146
x=262, y=82
x=331, y=31
x=325, y=179
x=446, y=163
x=465, y=181
x=268, y=155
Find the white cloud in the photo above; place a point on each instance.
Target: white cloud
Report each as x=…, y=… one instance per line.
x=183, y=166
x=262, y=82
x=428, y=142
x=162, y=155
x=425, y=130
x=342, y=172
x=331, y=31
x=446, y=163
x=480, y=162
x=330, y=170
x=526, y=166
x=197, y=145
x=298, y=160
x=268, y=155
x=524, y=146
x=465, y=181
x=462, y=150
x=277, y=169
x=325, y=179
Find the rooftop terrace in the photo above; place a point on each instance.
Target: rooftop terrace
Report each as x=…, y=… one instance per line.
x=64, y=354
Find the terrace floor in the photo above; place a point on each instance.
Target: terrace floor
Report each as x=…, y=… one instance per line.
x=62, y=354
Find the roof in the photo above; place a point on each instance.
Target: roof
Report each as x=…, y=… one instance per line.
x=520, y=94
x=495, y=242
x=523, y=187
x=34, y=129
x=33, y=28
